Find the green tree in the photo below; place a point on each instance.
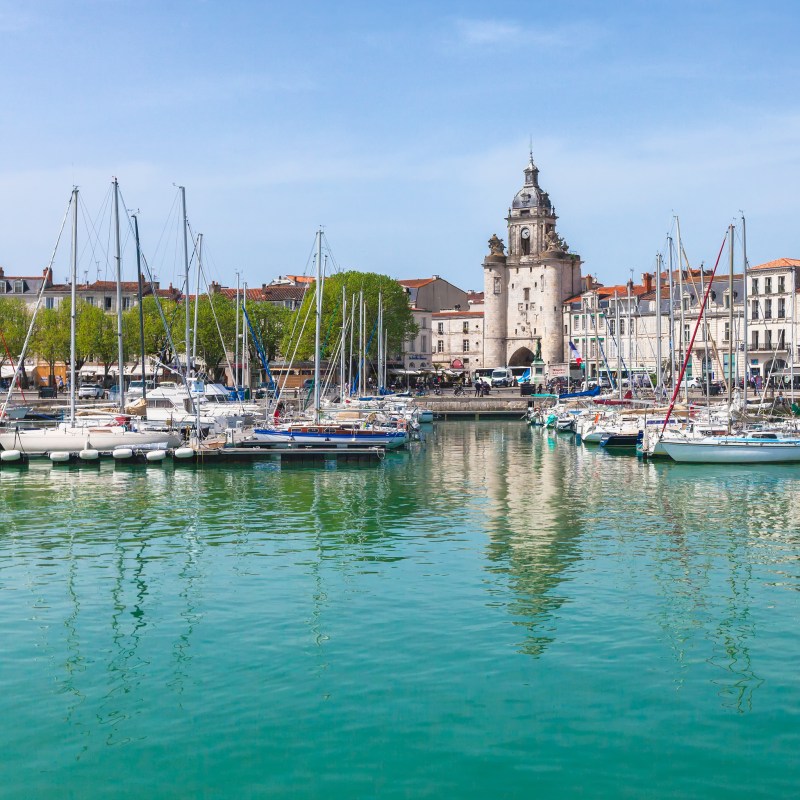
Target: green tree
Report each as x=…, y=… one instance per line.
x=271, y=324
x=14, y=322
x=398, y=319
x=51, y=337
x=213, y=311
x=95, y=337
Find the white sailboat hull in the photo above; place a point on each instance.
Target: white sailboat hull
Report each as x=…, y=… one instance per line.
x=738, y=450
x=38, y=441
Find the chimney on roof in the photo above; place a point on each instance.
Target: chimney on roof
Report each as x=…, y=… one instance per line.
x=629, y=284
x=214, y=288
x=2, y=273
x=436, y=277
x=647, y=281
x=588, y=283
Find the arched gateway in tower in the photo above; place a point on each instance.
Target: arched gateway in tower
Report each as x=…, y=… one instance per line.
x=525, y=288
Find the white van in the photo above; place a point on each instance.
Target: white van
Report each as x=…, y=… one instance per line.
x=502, y=376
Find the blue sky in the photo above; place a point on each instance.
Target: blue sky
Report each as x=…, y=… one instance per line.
x=402, y=128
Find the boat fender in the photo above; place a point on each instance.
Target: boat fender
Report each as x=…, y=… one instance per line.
x=11, y=455
x=88, y=454
x=59, y=456
x=156, y=455
x=184, y=452
x=122, y=452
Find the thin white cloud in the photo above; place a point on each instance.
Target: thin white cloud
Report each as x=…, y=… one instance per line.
x=493, y=33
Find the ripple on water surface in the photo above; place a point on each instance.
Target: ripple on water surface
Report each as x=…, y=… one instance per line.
x=495, y=613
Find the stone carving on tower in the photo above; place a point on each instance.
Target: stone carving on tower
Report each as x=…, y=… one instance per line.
x=524, y=289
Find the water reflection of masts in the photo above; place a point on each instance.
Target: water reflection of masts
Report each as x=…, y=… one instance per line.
x=686, y=574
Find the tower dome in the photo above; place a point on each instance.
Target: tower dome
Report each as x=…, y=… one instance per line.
x=531, y=195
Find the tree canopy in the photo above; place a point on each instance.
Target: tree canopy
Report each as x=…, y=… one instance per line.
x=398, y=320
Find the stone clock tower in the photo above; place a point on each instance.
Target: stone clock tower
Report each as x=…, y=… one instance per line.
x=525, y=288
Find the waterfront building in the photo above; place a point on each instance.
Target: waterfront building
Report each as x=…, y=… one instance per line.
x=458, y=339
x=427, y=296
x=525, y=288
x=616, y=326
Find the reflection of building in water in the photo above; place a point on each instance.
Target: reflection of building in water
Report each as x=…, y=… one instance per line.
x=521, y=489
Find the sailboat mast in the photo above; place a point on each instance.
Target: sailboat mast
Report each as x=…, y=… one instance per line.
x=344, y=344
x=659, y=371
x=352, y=336
x=361, y=359
x=671, y=317
x=317, y=327
x=380, y=339
x=186, y=273
x=197, y=295
x=617, y=343
x=73, y=306
x=680, y=293
x=630, y=323
x=141, y=310
x=118, y=259
x=745, y=344
x=245, y=349
x=236, y=345
x=730, y=326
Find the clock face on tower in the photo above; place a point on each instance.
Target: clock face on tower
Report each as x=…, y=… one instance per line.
x=525, y=233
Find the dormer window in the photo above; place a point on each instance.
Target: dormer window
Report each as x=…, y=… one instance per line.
x=3, y=287
x=686, y=302
x=19, y=287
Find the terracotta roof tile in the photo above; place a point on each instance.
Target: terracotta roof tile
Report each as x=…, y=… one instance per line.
x=778, y=263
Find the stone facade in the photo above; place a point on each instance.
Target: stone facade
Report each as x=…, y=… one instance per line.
x=524, y=289
x=458, y=339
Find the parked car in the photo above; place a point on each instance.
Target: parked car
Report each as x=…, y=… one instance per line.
x=90, y=391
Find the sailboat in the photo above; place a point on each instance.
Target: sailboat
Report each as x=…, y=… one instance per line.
x=319, y=431
x=88, y=441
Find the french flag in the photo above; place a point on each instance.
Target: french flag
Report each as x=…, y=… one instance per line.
x=573, y=351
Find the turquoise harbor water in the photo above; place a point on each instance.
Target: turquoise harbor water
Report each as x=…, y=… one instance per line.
x=497, y=613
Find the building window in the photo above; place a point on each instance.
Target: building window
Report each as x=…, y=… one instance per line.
x=424, y=348
x=107, y=303
x=497, y=287
x=686, y=303
x=781, y=307
x=687, y=333
x=727, y=335
x=767, y=285
x=612, y=326
x=90, y=300
x=465, y=346
x=727, y=301
x=754, y=286
x=126, y=303
x=768, y=339
x=440, y=346
x=50, y=302
x=781, y=284
x=19, y=287
x=768, y=309
x=465, y=327
x=754, y=309
x=622, y=327
x=781, y=339
x=754, y=343
x=3, y=287
x=526, y=295
x=440, y=329
x=575, y=322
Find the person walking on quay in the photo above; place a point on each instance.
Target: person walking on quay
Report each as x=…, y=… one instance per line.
x=477, y=386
